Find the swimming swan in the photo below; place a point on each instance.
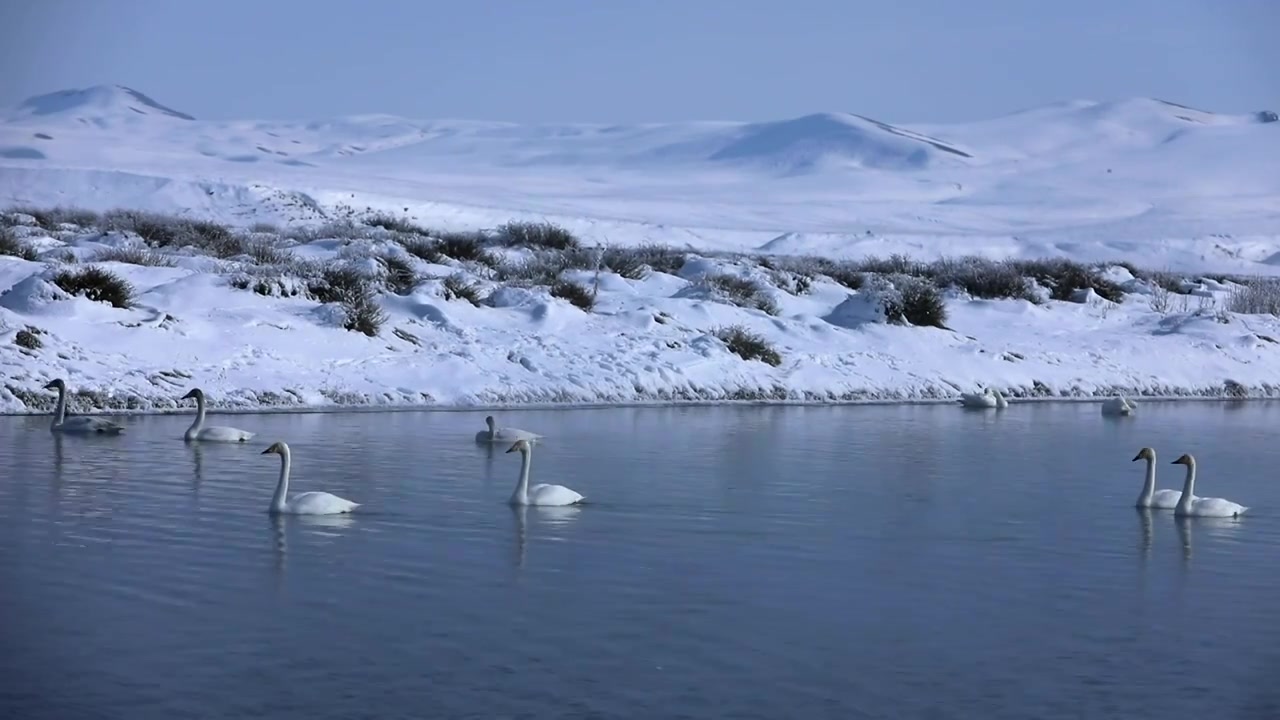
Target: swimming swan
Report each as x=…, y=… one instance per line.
x=215, y=433
x=307, y=503
x=81, y=424
x=1118, y=407
x=540, y=494
x=497, y=434
x=1189, y=505
x=988, y=398
x=1150, y=497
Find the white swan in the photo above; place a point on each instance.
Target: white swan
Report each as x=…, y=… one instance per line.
x=1118, y=407
x=988, y=398
x=214, y=433
x=506, y=434
x=1150, y=497
x=81, y=424
x=1190, y=505
x=540, y=494
x=307, y=503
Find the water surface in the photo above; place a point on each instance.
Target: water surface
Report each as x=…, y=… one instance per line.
x=744, y=562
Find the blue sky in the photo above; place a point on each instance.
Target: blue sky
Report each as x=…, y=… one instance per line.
x=644, y=60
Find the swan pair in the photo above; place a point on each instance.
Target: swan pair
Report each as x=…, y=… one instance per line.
x=1118, y=407
x=522, y=442
x=988, y=398
x=1185, y=503
x=85, y=424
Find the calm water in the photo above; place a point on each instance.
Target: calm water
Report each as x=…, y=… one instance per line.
x=887, y=562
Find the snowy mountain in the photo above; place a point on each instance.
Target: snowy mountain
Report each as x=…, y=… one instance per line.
x=1148, y=182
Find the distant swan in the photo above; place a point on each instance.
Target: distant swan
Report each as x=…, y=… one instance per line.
x=506, y=434
x=1150, y=497
x=81, y=424
x=1118, y=406
x=1202, y=507
x=307, y=503
x=215, y=433
x=540, y=494
x=988, y=398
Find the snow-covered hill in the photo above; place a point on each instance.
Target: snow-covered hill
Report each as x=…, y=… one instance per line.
x=1143, y=181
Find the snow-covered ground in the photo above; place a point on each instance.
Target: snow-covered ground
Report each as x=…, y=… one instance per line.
x=1193, y=194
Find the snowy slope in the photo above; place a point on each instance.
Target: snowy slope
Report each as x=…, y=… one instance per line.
x=1143, y=181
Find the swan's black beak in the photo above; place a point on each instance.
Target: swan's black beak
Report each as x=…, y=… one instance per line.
x=1136, y=458
x=513, y=449
x=266, y=452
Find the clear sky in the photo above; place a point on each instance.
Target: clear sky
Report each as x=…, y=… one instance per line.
x=644, y=60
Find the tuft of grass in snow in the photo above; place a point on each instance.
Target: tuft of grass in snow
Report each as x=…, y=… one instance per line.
x=401, y=278
x=29, y=338
x=97, y=285
x=355, y=292
x=536, y=235
x=1259, y=297
x=11, y=245
x=748, y=345
x=134, y=256
x=467, y=247
x=264, y=228
x=457, y=287
x=741, y=292
x=576, y=294
x=635, y=263
x=51, y=218
x=387, y=221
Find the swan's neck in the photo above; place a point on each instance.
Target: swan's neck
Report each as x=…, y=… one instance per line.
x=521, y=495
x=199, y=422
x=1188, y=488
x=1148, y=487
x=282, y=487
x=60, y=413
x=493, y=429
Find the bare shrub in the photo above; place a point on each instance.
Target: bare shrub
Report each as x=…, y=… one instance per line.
x=1260, y=296
x=97, y=285
x=1065, y=277
x=910, y=300
x=748, y=345
x=51, y=218
x=635, y=263
x=387, y=221
x=982, y=278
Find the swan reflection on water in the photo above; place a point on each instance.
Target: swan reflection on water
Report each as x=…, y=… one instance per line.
x=549, y=515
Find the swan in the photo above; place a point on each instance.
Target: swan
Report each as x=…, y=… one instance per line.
x=81, y=424
x=1189, y=505
x=506, y=434
x=1150, y=497
x=540, y=494
x=1118, y=406
x=988, y=398
x=215, y=433
x=307, y=503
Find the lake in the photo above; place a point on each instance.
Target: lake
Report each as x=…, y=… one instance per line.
x=733, y=562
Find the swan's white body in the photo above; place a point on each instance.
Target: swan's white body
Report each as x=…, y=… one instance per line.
x=988, y=398
x=504, y=435
x=1118, y=407
x=213, y=433
x=307, y=503
x=540, y=494
x=1150, y=497
x=1191, y=506
x=81, y=424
